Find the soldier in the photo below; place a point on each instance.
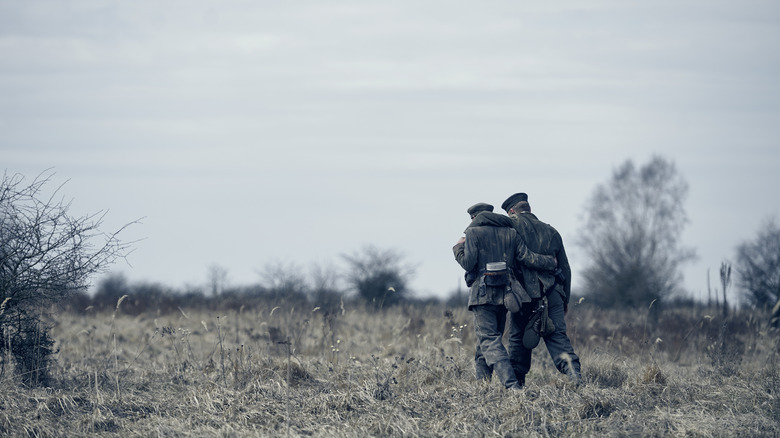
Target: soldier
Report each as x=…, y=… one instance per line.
x=492, y=247
x=551, y=292
x=475, y=209
x=483, y=370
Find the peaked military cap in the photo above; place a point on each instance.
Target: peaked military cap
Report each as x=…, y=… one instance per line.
x=513, y=200
x=479, y=207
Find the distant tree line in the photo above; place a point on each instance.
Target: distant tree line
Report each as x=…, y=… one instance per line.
x=145, y=297
x=374, y=279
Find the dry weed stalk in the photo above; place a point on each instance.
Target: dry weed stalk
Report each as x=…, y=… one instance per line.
x=221, y=353
x=2, y=306
x=647, y=317
x=112, y=338
x=113, y=315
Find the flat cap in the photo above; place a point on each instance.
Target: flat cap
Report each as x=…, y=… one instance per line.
x=479, y=207
x=513, y=200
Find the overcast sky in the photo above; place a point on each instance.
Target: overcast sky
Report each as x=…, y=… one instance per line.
x=247, y=133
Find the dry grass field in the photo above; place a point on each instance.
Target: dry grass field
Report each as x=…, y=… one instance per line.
x=406, y=371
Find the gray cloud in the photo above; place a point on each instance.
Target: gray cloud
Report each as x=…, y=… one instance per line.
x=228, y=124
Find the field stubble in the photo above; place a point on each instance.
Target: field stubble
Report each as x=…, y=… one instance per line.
x=406, y=371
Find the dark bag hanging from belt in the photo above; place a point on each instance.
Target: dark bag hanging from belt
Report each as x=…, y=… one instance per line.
x=496, y=274
x=540, y=325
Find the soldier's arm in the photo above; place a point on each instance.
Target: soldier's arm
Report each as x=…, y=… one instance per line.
x=458, y=250
x=466, y=253
x=533, y=260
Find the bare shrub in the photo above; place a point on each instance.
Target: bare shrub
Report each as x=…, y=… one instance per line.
x=608, y=375
x=653, y=374
x=596, y=408
x=46, y=255
x=31, y=347
x=726, y=353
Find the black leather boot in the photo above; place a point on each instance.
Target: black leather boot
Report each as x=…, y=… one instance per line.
x=506, y=373
x=520, y=379
x=483, y=370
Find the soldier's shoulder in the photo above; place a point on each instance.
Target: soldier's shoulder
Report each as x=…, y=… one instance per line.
x=493, y=220
x=525, y=222
x=546, y=224
x=552, y=232
x=518, y=218
x=533, y=218
x=552, y=228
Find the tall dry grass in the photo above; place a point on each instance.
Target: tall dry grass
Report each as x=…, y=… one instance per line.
x=281, y=371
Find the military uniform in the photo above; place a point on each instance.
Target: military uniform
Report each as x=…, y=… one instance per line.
x=491, y=238
x=542, y=238
x=479, y=207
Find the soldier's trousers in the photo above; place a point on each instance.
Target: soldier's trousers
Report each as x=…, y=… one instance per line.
x=557, y=343
x=489, y=322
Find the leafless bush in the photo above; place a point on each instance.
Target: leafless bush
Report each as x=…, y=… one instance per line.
x=46, y=255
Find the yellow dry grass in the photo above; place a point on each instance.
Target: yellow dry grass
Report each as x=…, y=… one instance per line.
x=402, y=372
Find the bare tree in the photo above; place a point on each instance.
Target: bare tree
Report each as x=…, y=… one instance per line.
x=379, y=277
x=325, y=292
x=284, y=281
x=632, y=235
x=45, y=255
x=217, y=279
x=758, y=266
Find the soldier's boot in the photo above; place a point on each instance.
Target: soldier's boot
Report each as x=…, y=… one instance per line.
x=483, y=370
x=520, y=379
x=519, y=375
x=506, y=373
x=576, y=378
x=574, y=374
